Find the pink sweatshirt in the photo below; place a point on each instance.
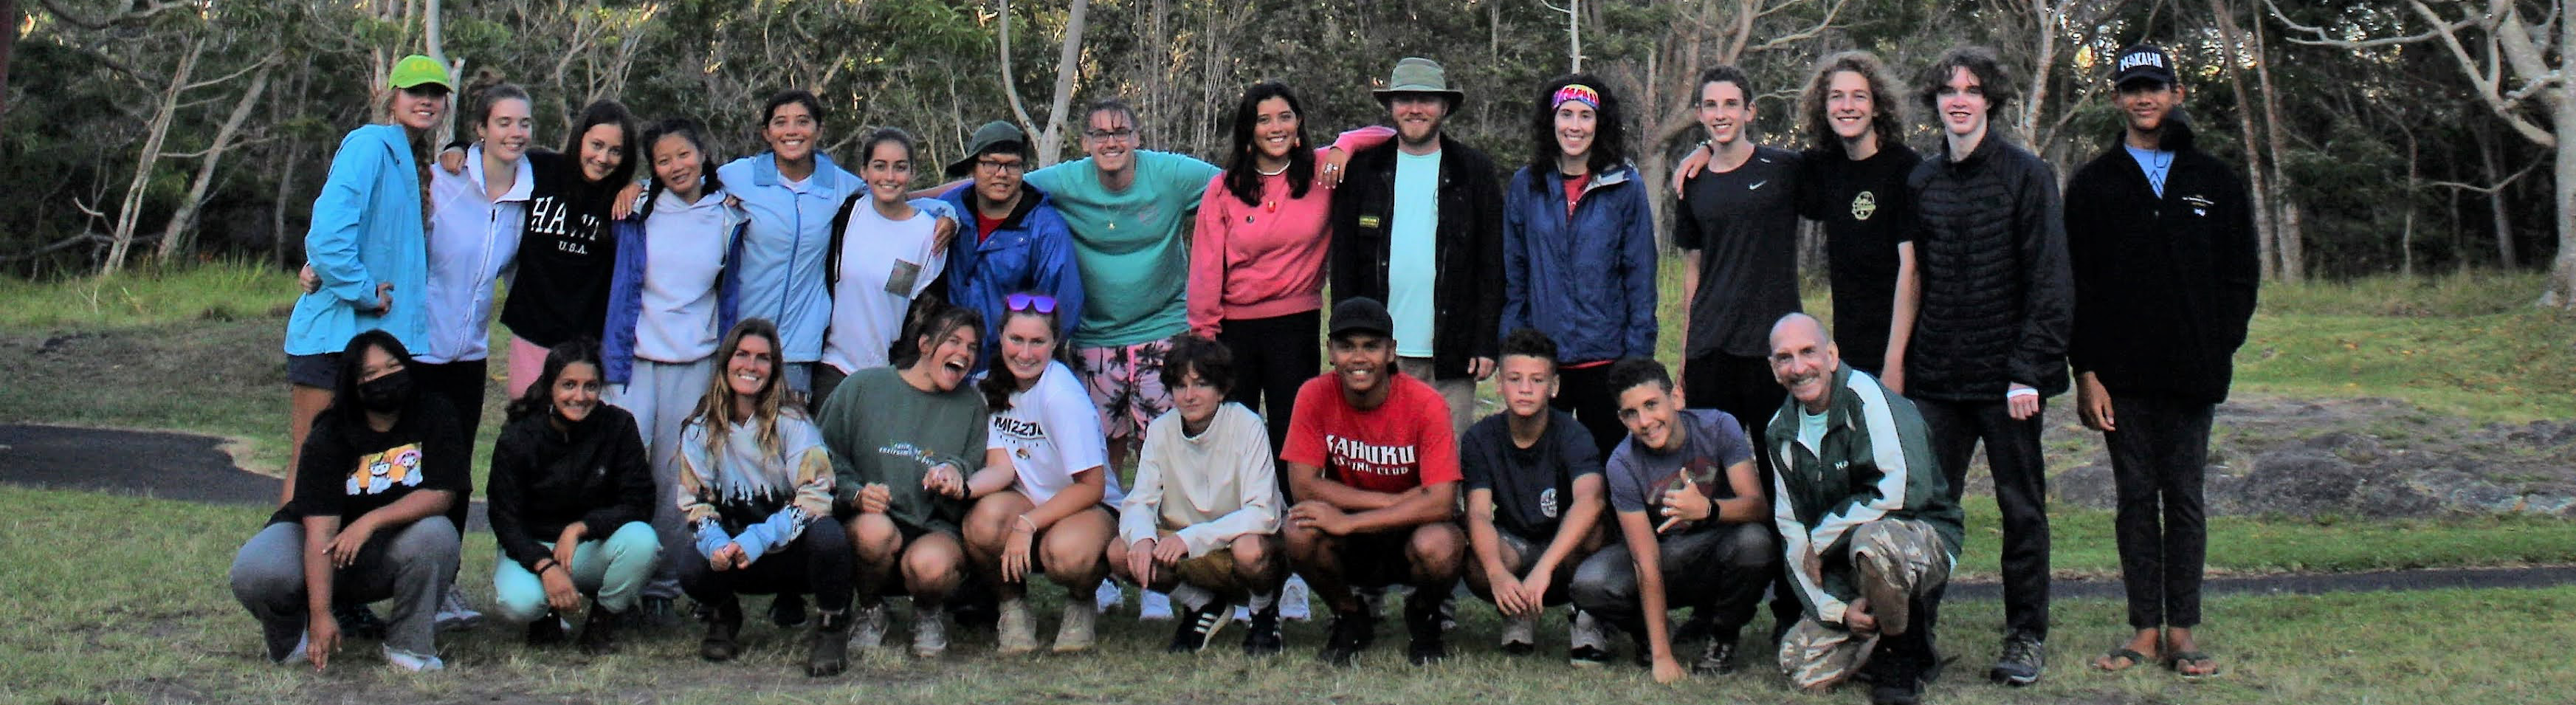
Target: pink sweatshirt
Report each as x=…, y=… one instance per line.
x=1260, y=261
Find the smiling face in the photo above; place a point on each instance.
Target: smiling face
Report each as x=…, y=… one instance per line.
x=1650, y=412
x=1418, y=116
x=1724, y=111
x=888, y=171
x=676, y=163
x=948, y=357
x=1028, y=343
x=576, y=391
x=1575, y=124
x=1362, y=361
x=791, y=132
x=419, y=107
x=1196, y=399
x=1110, y=139
x=1850, y=106
x=1963, y=105
x=749, y=370
x=997, y=176
x=2146, y=102
x=1527, y=383
x=1274, y=128
x=506, y=130
x=603, y=148
x=1804, y=361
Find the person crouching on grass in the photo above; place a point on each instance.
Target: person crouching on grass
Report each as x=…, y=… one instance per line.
x=1534, y=501
x=1042, y=500
x=569, y=496
x=1202, y=523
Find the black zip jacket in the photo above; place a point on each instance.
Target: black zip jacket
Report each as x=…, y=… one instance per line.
x=2163, y=286
x=1997, y=303
x=1467, y=291
x=543, y=480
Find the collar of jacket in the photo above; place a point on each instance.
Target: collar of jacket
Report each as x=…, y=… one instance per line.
x=2178, y=136
x=524, y=186
x=1993, y=142
x=764, y=172
x=1555, y=180
x=1842, y=411
x=963, y=197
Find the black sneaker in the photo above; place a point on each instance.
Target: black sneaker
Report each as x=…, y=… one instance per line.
x=1424, y=625
x=649, y=613
x=1905, y=691
x=1351, y=633
x=2023, y=659
x=829, y=651
x=358, y=621
x=599, y=630
x=788, y=611
x=1196, y=627
x=1261, y=638
x=724, y=625
x=1718, y=658
x=548, y=630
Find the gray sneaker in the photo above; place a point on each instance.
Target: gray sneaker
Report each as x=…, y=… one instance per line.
x=929, y=632
x=454, y=612
x=2022, y=660
x=1520, y=635
x=868, y=630
x=1015, y=631
x=1587, y=645
x=1075, y=633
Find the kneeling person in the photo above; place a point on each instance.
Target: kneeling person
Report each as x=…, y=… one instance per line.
x=1869, y=528
x=1202, y=522
x=1372, y=459
x=1534, y=501
x=1693, y=522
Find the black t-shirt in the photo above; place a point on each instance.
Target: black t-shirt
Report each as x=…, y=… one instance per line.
x=349, y=469
x=1745, y=225
x=1532, y=486
x=566, y=256
x=1866, y=211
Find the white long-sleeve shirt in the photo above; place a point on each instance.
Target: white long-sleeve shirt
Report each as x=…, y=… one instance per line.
x=1207, y=489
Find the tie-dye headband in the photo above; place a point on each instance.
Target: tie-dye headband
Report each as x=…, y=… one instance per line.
x=1579, y=93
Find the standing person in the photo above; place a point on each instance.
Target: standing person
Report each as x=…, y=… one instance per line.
x=365, y=518
x=365, y=247
x=567, y=256
x=1579, y=249
x=1990, y=341
x=474, y=237
x=756, y=487
x=2162, y=248
x=1202, y=523
x=1534, y=502
x=569, y=497
x=886, y=250
x=1693, y=525
x=1867, y=525
x=1372, y=461
x=1021, y=242
x=901, y=442
x=1856, y=162
x=1738, y=231
x=1418, y=226
x=658, y=355
x=1042, y=499
x=1257, y=255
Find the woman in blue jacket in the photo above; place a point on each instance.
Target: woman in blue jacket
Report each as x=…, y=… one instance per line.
x=789, y=193
x=1579, y=248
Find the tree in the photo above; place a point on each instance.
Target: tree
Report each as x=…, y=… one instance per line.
x=2517, y=69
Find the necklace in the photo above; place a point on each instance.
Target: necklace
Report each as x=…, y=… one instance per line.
x=1282, y=170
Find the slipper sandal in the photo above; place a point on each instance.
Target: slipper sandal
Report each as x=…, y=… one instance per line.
x=2135, y=659
x=2176, y=662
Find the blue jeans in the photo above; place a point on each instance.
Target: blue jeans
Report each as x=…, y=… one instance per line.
x=613, y=570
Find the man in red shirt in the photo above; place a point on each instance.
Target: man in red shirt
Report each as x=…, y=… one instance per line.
x=1372, y=458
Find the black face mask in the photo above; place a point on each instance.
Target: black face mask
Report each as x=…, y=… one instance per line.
x=387, y=394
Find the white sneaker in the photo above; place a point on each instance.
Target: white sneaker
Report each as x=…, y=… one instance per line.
x=1154, y=607
x=416, y=663
x=1075, y=632
x=870, y=627
x=1110, y=596
x=454, y=612
x=1293, y=600
x=929, y=633
x=1015, y=631
x=303, y=648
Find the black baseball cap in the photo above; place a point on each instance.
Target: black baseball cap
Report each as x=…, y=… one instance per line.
x=1360, y=314
x=2143, y=62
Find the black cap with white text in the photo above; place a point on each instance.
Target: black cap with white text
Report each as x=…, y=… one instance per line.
x=2143, y=62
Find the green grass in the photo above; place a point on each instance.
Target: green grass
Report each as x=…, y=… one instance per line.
x=2467, y=345
x=2082, y=544
x=112, y=609
x=219, y=290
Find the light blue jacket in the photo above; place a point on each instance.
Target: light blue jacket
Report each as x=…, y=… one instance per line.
x=776, y=268
x=366, y=230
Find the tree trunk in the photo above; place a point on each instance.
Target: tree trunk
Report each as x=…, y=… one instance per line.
x=2562, y=272
x=1010, y=84
x=2495, y=200
x=2264, y=232
x=179, y=235
x=8, y=46
x=2285, y=229
x=131, y=211
x=1068, y=63
x=2406, y=235
x=2045, y=16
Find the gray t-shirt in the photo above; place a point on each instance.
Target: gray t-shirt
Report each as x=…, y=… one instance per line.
x=1711, y=442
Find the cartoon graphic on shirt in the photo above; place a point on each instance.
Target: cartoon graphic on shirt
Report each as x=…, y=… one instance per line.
x=375, y=474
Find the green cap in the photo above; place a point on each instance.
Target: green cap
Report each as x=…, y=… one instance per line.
x=415, y=70
x=1415, y=74
x=995, y=136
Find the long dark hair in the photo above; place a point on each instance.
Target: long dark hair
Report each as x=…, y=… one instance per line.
x=1242, y=175
x=928, y=321
x=539, y=397
x=686, y=129
x=1609, y=131
x=999, y=383
x=353, y=365
x=1888, y=119
x=604, y=112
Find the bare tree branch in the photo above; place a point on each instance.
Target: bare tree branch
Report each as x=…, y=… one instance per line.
x=124, y=13
x=2322, y=37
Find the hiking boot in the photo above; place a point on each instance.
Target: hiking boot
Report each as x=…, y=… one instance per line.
x=598, y=631
x=1905, y=691
x=1350, y=634
x=1018, y=632
x=724, y=622
x=929, y=632
x=1520, y=635
x=454, y=612
x=828, y=651
x=548, y=630
x=1423, y=623
x=869, y=630
x=649, y=613
x=2023, y=659
x=1073, y=631
x=788, y=611
x=1718, y=658
x=1197, y=627
x=358, y=621
x=1261, y=637
x=1589, y=646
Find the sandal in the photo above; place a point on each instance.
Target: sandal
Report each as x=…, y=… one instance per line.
x=2106, y=663
x=2179, y=663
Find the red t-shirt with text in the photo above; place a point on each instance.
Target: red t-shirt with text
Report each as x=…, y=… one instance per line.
x=1400, y=445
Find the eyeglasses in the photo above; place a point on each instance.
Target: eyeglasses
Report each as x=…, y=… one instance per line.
x=1026, y=302
x=1001, y=167
x=1118, y=135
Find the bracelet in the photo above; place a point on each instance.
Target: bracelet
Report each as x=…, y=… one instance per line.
x=546, y=565
x=1024, y=521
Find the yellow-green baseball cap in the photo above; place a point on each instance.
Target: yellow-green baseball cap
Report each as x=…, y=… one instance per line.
x=415, y=70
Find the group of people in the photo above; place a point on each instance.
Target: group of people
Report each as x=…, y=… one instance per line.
x=775, y=376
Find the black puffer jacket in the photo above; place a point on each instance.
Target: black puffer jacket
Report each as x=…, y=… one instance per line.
x=1467, y=289
x=544, y=480
x=1997, y=301
x=2163, y=286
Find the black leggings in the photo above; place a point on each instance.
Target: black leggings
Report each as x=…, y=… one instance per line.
x=1272, y=357
x=819, y=562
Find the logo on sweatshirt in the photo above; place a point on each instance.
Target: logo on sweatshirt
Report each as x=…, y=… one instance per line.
x=1357, y=456
x=1864, y=205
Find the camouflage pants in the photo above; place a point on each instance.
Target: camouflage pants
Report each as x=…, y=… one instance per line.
x=1893, y=559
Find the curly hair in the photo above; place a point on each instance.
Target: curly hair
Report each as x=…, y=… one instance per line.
x=1887, y=112
x=1993, y=80
x=1609, y=131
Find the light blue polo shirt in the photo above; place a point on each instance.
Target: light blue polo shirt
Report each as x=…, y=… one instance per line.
x=1413, y=256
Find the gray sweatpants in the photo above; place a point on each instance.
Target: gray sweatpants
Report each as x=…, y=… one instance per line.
x=661, y=395
x=411, y=565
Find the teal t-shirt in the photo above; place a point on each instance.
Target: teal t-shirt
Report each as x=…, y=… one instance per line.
x=1413, y=259
x=1811, y=430
x=1135, y=269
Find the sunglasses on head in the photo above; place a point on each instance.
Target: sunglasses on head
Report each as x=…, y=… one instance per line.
x=1026, y=302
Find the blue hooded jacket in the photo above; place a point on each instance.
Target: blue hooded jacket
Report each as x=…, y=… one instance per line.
x=1586, y=280
x=367, y=230
x=1031, y=251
